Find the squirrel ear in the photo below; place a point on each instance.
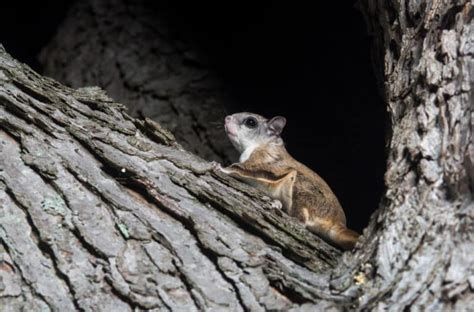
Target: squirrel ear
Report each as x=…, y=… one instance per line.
x=276, y=124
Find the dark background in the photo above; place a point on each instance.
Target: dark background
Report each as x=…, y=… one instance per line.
x=309, y=63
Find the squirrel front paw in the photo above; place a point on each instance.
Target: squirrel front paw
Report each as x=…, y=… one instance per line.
x=215, y=166
x=276, y=204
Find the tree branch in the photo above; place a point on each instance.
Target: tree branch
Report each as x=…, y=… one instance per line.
x=120, y=210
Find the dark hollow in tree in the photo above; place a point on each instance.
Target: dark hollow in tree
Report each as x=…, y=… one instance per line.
x=119, y=215
x=271, y=59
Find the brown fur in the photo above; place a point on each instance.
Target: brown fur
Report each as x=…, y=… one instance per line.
x=302, y=192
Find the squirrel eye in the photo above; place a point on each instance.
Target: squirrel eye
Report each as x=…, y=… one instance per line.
x=250, y=122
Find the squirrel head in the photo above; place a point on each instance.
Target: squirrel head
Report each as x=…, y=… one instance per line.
x=248, y=130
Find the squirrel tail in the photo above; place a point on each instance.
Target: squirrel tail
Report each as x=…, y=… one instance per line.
x=337, y=234
x=343, y=237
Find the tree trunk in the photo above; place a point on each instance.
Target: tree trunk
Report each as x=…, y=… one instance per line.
x=419, y=247
x=101, y=211
x=136, y=51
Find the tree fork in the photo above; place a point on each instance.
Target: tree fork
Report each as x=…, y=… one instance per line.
x=117, y=214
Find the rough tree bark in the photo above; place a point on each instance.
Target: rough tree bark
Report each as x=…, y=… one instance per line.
x=137, y=53
x=102, y=212
x=419, y=247
x=118, y=215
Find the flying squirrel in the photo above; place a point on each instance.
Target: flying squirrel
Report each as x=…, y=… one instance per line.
x=265, y=164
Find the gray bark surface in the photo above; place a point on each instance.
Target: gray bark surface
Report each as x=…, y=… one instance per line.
x=420, y=244
x=101, y=211
x=129, y=49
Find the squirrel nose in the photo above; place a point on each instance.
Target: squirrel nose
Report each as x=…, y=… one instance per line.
x=228, y=119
